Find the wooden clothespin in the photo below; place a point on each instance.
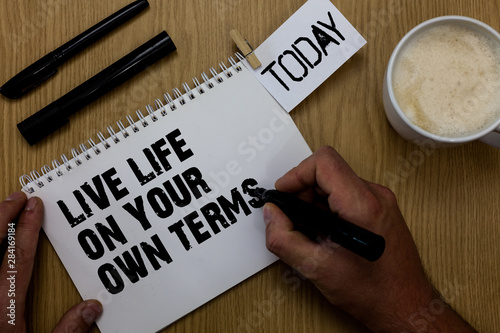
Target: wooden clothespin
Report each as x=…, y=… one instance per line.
x=245, y=48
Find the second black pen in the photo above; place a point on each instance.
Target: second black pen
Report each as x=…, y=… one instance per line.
x=56, y=114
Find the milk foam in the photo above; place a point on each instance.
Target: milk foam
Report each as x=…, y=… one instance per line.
x=447, y=81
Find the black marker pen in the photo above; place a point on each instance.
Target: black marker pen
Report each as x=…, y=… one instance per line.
x=46, y=67
x=313, y=221
x=56, y=114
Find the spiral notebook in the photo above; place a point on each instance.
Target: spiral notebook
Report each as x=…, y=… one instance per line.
x=155, y=220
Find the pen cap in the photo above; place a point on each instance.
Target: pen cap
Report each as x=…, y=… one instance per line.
x=41, y=124
x=56, y=114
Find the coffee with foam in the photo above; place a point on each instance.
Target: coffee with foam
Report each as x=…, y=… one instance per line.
x=447, y=80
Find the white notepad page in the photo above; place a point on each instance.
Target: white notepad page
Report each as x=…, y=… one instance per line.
x=232, y=132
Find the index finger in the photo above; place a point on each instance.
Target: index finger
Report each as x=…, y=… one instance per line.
x=324, y=168
x=327, y=173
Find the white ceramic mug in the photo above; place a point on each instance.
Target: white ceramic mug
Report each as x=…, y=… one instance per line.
x=397, y=118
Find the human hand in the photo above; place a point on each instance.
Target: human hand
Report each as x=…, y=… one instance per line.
x=387, y=295
x=17, y=266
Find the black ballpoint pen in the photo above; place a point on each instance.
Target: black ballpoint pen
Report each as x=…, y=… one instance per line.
x=42, y=69
x=313, y=222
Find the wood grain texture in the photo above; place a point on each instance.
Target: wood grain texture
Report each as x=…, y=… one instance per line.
x=449, y=197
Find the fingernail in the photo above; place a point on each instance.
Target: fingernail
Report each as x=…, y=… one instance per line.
x=14, y=196
x=267, y=214
x=90, y=312
x=30, y=205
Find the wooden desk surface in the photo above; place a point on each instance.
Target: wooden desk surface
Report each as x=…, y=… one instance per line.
x=450, y=197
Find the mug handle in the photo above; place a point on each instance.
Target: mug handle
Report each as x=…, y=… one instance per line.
x=493, y=138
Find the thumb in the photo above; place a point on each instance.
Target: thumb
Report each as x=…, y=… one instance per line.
x=79, y=318
x=289, y=245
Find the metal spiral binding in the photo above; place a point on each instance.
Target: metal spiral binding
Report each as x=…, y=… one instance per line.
x=161, y=109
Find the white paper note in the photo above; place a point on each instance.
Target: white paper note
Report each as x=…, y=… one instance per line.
x=312, y=44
